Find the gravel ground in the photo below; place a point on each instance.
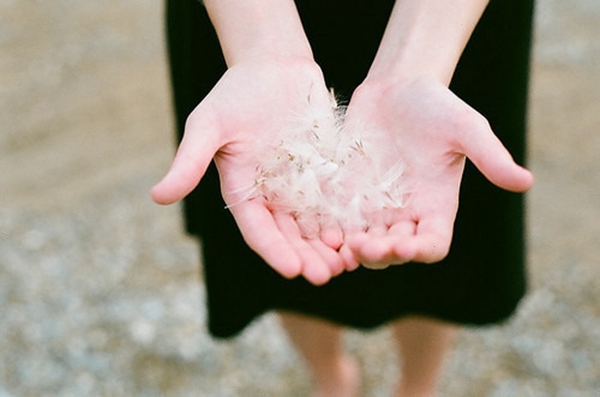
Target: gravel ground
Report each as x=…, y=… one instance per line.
x=100, y=292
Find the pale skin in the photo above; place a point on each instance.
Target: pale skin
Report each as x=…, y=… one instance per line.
x=406, y=96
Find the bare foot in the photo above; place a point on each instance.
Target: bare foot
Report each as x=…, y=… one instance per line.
x=402, y=392
x=345, y=383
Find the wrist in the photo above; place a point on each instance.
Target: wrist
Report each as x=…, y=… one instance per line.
x=404, y=71
x=425, y=39
x=258, y=29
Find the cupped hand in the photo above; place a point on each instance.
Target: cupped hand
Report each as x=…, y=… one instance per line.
x=433, y=132
x=248, y=109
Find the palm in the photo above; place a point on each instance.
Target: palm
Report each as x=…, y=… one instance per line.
x=433, y=130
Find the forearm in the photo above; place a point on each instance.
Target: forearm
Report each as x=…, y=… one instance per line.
x=255, y=29
x=425, y=38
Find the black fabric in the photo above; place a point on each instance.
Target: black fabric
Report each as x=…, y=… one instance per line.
x=483, y=278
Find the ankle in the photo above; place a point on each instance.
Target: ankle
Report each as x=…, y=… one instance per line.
x=342, y=380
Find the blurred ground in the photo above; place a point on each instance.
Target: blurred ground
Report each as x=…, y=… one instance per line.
x=99, y=288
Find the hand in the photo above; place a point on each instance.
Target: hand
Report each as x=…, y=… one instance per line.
x=433, y=130
x=247, y=110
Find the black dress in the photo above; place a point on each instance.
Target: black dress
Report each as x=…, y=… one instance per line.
x=482, y=280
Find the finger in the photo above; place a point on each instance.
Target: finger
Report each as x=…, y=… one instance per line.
x=314, y=268
x=494, y=161
x=394, y=249
x=197, y=148
x=374, y=252
x=433, y=238
x=350, y=261
x=380, y=253
x=376, y=266
x=379, y=223
x=262, y=235
x=377, y=248
x=430, y=248
x=324, y=239
x=329, y=241
x=403, y=227
x=308, y=226
x=332, y=234
x=329, y=255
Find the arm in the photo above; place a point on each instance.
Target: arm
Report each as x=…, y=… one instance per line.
x=406, y=97
x=270, y=75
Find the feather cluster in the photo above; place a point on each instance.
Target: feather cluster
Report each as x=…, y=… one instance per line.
x=325, y=170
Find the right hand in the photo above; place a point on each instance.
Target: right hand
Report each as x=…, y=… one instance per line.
x=253, y=103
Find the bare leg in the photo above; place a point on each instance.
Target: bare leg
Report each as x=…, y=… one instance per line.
x=335, y=373
x=423, y=344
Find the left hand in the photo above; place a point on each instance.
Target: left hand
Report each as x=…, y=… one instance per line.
x=434, y=131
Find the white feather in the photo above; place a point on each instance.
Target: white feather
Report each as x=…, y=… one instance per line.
x=323, y=170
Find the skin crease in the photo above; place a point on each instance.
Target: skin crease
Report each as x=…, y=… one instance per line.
x=405, y=95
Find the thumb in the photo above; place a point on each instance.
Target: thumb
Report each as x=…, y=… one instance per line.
x=494, y=161
x=197, y=148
